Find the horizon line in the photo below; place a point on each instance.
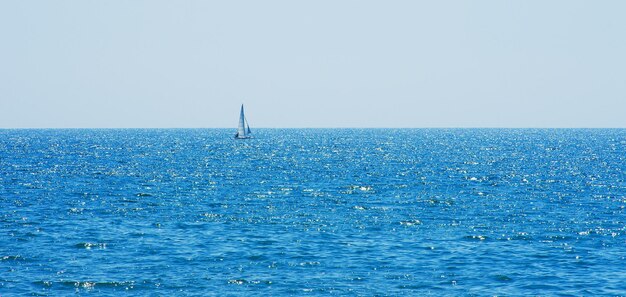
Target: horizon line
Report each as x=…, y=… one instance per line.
x=225, y=128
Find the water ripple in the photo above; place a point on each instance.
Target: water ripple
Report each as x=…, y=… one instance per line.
x=312, y=212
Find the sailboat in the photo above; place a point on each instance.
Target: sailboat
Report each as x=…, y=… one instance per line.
x=243, y=130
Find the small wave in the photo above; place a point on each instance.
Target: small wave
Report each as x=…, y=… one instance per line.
x=242, y=281
x=237, y=281
x=476, y=237
x=365, y=188
x=502, y=278
x=354, y=188
x=90, y=284
x=76, y=210
x=523, y=236
x=45, y=284
x=309, y=263
x=12, y=258
x=209, y=215
x=266, y=242
x=257, y=257
x=90, y=245
x=411, y=222
x=85, y=285
x=554, y=238
x=436, y=201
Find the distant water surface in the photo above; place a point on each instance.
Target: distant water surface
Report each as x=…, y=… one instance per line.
x=422, y=212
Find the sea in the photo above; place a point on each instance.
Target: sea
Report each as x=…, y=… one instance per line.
x=313, y=212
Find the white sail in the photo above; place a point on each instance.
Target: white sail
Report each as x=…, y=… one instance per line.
x=243, y=129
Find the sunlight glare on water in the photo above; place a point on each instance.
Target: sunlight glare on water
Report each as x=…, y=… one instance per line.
x=313, y=211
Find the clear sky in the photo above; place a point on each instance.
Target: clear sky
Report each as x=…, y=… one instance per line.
x=329, y=63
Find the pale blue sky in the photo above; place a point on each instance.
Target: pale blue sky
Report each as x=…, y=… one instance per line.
x=313, y=63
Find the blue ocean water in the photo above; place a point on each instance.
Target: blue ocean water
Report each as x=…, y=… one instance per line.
x=305, y=212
